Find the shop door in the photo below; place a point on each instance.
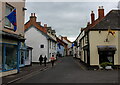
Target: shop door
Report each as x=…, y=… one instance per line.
x=22, y=58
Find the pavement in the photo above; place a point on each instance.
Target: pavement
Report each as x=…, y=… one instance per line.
x=24, y=72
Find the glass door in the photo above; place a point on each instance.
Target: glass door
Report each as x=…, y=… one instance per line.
x=22, y=58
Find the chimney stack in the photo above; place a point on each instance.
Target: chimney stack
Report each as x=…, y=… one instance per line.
x=65, y=37
x=33, y=18
x=92, y=17
x=45, y=25
x=100, y=12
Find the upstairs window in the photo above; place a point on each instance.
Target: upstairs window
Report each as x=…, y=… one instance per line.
x=8, y=10
x=42, y=46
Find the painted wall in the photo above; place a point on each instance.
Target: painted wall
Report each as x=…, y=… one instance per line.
x=20, y=24
x=61, y=50
x=119, y=47
x=52, y=49
x=96, y=39
x=19, y=15
x=34, y=39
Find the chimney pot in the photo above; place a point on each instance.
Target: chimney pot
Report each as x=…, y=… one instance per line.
x=34, y=14
x=31, y=14
x=92, y=17
x=45, y=25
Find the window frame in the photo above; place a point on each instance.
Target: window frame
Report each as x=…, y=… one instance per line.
x=42, y=46
x=12, y=8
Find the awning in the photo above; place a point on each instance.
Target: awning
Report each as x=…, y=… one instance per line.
x=107, y=48
x=12, y=36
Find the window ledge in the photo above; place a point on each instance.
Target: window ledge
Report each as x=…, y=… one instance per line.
x=8, y=28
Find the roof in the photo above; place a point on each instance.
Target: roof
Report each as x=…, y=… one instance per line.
x=61, y=41
x=110, y=21
x=66, y=39
x=39, y=28
x=35, y=24
x=49, y=28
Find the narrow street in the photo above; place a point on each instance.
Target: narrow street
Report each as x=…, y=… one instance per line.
x=67, y=70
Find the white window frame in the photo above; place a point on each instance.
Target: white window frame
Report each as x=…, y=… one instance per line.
x=6, y=14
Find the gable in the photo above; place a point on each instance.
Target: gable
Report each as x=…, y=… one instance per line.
x=34, y=31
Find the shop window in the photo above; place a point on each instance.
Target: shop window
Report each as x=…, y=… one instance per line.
x=22, y=53
x=27, y=54
x=0, y=57
x=11, y=57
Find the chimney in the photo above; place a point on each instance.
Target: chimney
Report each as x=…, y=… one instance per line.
x=33, y=18
x=100, y=12
x=82, y=29
x=88, y=24
x=65, y=38
x=92, y=17
x=45, y=25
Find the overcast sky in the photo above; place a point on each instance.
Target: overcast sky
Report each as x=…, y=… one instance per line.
x=66, y=17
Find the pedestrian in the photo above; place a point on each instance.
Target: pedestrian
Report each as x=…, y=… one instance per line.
x=40, y=59
x=45, y=59
x=52, y=60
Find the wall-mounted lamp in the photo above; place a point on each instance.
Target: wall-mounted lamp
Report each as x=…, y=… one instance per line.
x=24, y=8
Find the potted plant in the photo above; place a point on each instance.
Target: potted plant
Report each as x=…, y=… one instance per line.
x=106, y=65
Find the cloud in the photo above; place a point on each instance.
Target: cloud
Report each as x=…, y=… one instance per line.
x=66, y=17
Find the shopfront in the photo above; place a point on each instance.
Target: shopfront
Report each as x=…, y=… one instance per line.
x=9, y=56
x=106, y=54
x=10, y=53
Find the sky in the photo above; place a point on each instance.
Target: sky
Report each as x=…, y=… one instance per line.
x=67, y=18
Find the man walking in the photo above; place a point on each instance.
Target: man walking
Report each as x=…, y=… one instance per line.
x=40, y=59
x=45, y=59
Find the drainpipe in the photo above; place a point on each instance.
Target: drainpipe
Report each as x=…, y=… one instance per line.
x=48, y=50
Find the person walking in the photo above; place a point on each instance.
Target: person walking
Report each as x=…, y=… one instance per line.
x=45, y=59
x=52, y=60
x=40, y=59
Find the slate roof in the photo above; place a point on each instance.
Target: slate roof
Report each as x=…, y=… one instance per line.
x=111, y=20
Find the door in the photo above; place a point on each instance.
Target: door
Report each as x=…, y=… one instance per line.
x=22, y=58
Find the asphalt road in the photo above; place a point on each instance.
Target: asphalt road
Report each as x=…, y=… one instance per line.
x=67, y=70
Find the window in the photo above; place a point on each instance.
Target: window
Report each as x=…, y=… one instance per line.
x=9, y=56
x=86, y=39
x=42, y=46
x=50, y=44
x=8, y=11
x=27, y=54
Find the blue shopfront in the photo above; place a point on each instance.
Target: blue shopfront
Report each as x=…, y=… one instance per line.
x=11, y=53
